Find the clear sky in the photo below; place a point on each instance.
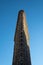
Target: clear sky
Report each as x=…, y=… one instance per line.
x=8, y=19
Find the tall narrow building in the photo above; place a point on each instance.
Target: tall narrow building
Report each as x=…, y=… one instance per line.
x=21, y=55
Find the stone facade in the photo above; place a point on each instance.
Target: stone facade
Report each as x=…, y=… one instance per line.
x=21, y=55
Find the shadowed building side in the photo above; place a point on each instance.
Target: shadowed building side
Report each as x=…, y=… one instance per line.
x=21, y=55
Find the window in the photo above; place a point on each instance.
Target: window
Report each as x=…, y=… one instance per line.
x=21, y=63
x=21, y=39
x=21, y=43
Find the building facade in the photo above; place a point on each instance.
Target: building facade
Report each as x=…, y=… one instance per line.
x=21, y=55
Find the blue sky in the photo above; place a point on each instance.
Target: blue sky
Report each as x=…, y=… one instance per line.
x=8, y=19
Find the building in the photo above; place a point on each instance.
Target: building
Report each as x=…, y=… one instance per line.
x=21, y=55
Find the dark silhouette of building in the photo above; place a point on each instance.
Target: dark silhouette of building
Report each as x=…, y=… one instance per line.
x=21, y=55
